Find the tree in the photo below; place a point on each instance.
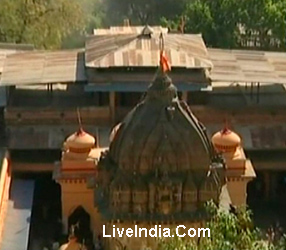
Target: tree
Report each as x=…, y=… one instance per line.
x=141, y=12
x=229, y=231
x=216, y=20
x=235, y=24
x=43, y=23
x=264, y=22
x=93, y=18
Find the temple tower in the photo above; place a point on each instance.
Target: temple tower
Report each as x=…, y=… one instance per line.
x=161, y=167
x=76, y=174
x=239, y=169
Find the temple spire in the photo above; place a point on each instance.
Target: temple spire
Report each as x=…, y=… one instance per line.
x=162, y=87
x=80, y=129
x=164, y=62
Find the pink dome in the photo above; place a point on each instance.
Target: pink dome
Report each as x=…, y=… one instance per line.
x=80, y=142
x=226, y=140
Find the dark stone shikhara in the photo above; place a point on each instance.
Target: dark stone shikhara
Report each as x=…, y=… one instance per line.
x=161, y=165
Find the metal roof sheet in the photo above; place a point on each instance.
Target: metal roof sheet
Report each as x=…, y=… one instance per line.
x=3, y=55
x=56, y=86
x=9, y=48
x=43, y=67
x=99, y=46
x=132, y=50
x=248, y=66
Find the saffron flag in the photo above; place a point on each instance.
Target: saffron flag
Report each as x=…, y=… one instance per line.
x=164, y=62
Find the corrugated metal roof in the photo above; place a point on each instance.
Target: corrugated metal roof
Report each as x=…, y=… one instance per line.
x=42, y=67
x=97, y=46
x=18, y=218
x=132, y=50
x=10, y=48
x=4, y=53
x=103, y=51
x=56, y=86
x=258, y=137
x=117, y=30
x=248, y=66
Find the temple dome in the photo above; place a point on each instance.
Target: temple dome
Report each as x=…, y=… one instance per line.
x=160, y=133
x=226, y=140
x=80, y=140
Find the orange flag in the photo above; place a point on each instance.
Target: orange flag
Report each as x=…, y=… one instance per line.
x=164, y=62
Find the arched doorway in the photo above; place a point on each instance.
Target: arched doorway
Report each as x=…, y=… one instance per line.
x=80, y=220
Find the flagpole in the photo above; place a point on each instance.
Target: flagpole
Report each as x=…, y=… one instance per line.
x=162, y=45
x=164, y=62
x=161, y=48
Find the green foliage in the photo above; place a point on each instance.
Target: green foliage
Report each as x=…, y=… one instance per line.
x=216, y=20
x=223, y=23
x=93, y=15
x=229, y=231
x=266, y=18
x=232, y=23
x=141, y=12
x=43, y=23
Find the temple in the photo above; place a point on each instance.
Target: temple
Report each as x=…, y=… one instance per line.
x=87, y=141
x=159, y=169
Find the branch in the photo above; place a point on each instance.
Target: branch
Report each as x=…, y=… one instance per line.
x=28, y=19
x=140, y=15
x=38, y=17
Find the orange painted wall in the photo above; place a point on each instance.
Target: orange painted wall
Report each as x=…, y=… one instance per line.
x=5, y=180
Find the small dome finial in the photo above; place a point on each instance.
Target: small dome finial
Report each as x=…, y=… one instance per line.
x=80, y=141
x=226, y=140
x=225, y=129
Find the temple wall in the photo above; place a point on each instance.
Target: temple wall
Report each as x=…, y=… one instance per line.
x=52, y=116
x=101, y=115
x=74, y=194
x=237, y=188
x=5, y=180
x=33, y=167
